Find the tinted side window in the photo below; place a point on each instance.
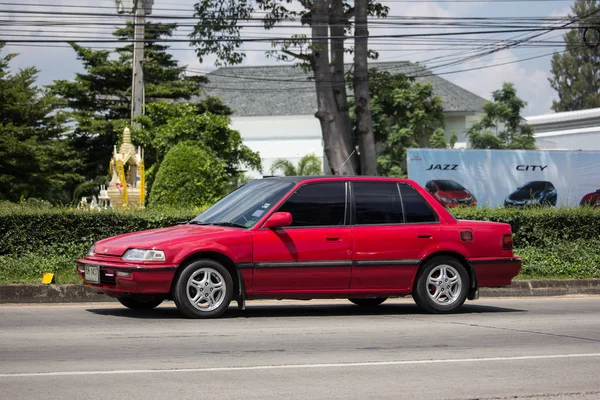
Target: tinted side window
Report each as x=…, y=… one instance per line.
x=317, y=204
x=416, y=208
x=377, y=203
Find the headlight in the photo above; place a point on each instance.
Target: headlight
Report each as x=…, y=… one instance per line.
x=447, y=200
x=92, y=251
x=143, y=255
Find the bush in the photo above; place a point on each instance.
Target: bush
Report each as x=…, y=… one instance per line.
x=541, y=227
x=25, y=230
x=554, y=243
x=189, y=176
x=578, y=259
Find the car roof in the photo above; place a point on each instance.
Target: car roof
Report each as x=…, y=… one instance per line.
x=298, y=179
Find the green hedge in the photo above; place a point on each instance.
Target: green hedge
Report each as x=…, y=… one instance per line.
x=25, y=230
x=541, y=227
x=554, y=243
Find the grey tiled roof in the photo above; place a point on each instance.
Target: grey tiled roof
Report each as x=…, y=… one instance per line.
x=288, y=90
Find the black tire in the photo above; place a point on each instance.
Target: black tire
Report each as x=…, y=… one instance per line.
x=422, y=289
x=368, y=302
x=180, y=290
x=140, y=301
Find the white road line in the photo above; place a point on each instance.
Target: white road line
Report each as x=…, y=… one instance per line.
x=299, y=366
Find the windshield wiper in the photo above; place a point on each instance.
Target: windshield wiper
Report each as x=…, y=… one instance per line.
x=228, y=223
x=224, y=223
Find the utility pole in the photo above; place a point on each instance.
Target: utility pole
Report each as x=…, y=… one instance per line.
x=139, y=9
x=137, y=88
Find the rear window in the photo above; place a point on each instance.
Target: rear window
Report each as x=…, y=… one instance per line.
x=416, y=208
x=377, y=203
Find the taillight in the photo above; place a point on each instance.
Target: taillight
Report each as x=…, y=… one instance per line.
x=507, y=242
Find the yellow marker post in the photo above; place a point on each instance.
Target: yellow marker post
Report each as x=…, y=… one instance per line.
x=48, y=278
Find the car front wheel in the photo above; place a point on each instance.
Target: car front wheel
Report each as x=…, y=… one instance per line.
x=140, y=302
x=442, y=286
x=368, y=302
x=204, y=289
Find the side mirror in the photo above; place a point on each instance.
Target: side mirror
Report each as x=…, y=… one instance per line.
x=278, y=220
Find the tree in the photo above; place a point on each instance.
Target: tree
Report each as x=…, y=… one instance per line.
x=502, y=126
x=310, y=164
x=165, y=125
x=35, y=161
x=576, y=72
x=405, y=114
x=190, y=176
x=218, y=32
x=98, y=100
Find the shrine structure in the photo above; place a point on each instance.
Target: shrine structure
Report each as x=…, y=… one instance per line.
x=127, y=185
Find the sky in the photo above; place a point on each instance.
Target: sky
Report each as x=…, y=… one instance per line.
x=57, y=61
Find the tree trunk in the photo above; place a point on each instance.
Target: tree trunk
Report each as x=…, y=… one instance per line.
x=337, y=23
x=364, y=119
x=338, y=147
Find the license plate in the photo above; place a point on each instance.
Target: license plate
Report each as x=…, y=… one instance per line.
x=92, y=274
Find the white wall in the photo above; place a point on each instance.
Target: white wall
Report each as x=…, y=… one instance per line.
x=580, y=139
x=288, y=137
x=292, y=137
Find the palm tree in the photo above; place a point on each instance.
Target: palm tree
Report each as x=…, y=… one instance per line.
x=310, y=164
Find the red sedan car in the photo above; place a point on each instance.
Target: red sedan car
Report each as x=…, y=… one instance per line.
x=364, y=239
x=591, y=199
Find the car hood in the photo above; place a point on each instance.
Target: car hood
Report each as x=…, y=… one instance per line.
x=526, y=194
x=152, y=238
x=456, y=194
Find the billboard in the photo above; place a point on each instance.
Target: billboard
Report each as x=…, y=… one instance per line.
x=508, y=178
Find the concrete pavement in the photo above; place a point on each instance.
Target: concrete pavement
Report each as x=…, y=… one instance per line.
x=495, y=348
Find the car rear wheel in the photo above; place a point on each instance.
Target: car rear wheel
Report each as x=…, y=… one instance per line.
x=442, y=286
x=140, y=302
x=368, y=302
x=204, y=289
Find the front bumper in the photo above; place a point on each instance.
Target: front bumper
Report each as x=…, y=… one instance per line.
x=145, y=279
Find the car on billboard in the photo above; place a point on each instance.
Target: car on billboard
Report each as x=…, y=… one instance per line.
x=450, y=193
x=534, y=193
x=591, y=199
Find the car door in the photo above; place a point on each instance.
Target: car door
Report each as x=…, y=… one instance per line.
x=393, y=225
x=313, y=254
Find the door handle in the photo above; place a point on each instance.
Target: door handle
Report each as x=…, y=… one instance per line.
x=425, y=236
x=333, y=239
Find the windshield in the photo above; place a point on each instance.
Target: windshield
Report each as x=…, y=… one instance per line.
x=534, y=186
x=445, y=186
x=247, y=204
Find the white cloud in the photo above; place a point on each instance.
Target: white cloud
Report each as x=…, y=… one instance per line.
x=531, y=83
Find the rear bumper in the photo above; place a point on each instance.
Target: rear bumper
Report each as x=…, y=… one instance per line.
x=493, y=272
x=145, y=279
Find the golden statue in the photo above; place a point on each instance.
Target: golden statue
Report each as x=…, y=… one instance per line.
x=127, y=184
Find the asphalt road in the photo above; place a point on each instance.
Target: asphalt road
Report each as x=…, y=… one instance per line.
x=546, y=348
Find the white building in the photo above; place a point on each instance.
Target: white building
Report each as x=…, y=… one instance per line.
x=573, y=130
x=274, y=107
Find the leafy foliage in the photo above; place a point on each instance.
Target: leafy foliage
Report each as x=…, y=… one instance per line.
x=98, y=100
x=35, y=238
x=502, y=126
x=189, y=176
x=405, y=114
x=166, y=124
x=540, y=226
x=35, y=161
x=310, y=164
x=576, y=72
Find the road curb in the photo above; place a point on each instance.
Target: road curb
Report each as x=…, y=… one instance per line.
x=36, y=293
